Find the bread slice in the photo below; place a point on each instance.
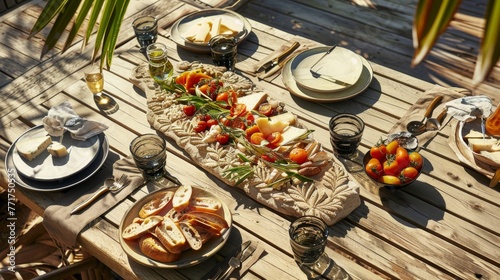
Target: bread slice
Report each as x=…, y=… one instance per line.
x=182, y=196
x=176, y=215
x=192, y=236
x=152, y=248
x=30, y=148
x=205, y=204
x=211, y=222
x=155, y=205
x=136, y=230
x=170, y=235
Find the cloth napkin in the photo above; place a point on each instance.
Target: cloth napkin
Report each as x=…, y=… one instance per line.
x=417, y=111
x=464, y=109
x=62, y=118
x=64, y=227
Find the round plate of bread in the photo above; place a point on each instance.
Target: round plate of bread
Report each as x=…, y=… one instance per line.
x=41, y=157
x=175, y=227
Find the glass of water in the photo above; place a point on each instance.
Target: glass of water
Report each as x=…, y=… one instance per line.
x=146, y=30
x=308, y=238
x=149, y=153
x=346, y=131
x=224, y=50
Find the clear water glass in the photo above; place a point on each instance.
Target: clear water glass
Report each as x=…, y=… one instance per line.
x=149, y=153
x=346, y=131
x=146, y=30
x=223, y=50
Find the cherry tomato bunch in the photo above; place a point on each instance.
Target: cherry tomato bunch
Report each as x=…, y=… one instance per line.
x=393, y=164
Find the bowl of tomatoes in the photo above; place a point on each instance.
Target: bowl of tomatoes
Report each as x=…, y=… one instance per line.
x=394, y=162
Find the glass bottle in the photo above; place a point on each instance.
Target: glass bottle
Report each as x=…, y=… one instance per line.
x=492, y=124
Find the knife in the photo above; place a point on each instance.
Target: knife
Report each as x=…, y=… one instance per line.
x=235, y=261
x=273, y=70
x=275, y=61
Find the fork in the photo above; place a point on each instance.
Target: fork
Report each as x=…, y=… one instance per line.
x=116, y=186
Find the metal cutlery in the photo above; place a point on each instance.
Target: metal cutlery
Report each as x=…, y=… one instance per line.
x=275, y=61
x=321, y=58
x=247, y=249
x=418, y=127
x=113, y=187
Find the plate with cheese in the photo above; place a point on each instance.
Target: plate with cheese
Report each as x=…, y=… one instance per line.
x=42, y=157
x=195, y=30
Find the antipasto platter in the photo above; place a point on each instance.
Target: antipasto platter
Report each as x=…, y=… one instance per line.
x=249, y=140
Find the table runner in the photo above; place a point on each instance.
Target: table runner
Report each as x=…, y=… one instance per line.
x=64, y=227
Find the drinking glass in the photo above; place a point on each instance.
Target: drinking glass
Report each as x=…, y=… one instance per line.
x=345, y=134
x=308, y=237
x=223, y=49
x=146, y=30
x=149, y=153
x=95, y=82
x=159, y=65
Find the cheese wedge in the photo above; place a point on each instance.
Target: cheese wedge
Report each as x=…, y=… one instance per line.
x=57, y=149
x=252, y=101
x=33, y=147
x=475, y=134
x=291, y=133
x=215, y=28
x=285, y=117
x=494, y=156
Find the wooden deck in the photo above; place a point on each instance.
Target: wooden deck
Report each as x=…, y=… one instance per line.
x=391, y=236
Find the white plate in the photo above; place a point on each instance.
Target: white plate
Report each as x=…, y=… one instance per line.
x=183, y=24
x=363, y=82
x=59, y=184
x=341, y=64
x=188, y=257
x=48, y=168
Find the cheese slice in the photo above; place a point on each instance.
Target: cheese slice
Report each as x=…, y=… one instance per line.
x=33, y=147
x=475, y=134
x=478, y=144
x=285, y=117
x=494, y=156
x=215, y=28
x=291, y=133
x=57, y=149
x=252, y=101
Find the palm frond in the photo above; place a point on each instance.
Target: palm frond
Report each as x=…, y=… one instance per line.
x=489, y=52
x=51, y=9
x=80, y=18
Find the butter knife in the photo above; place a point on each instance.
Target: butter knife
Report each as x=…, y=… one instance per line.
x=275, y=61
x=273, y=70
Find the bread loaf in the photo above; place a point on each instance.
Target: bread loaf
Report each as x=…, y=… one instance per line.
x=32, y=147
x=152, y=248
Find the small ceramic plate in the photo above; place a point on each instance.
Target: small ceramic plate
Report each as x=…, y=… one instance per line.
x=189, y=257
x=48, y=168
x=69, y=182
x=363, y=82
x=337, y=70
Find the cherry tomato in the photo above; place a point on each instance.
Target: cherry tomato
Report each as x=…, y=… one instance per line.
x=391, y=167
x=389, y=179
x=274, y=139
x=269, y=158
x=224, y=122
x=189, y=110
x=298, y=155
x=408, y=174
x=266, y=109
x=237, y=110
x=238, y=123
x=392, y=147
x=378, y=152
x=222, y=138
x=402, y=157
x=374, y=168
x=416, y=160
x=250, y=119
x=256, y=138
x=211, y=122
x=202, y=126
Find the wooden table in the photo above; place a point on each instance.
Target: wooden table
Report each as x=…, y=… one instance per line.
x=444, y=226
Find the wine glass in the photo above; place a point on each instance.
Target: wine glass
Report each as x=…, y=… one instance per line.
x=159, y=65
x=95, y=82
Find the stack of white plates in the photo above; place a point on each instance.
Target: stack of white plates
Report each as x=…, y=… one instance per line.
x=48, y=173
x=336, y=76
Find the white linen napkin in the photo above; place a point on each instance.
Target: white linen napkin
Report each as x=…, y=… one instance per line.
x=465, y=108
x=63, y=118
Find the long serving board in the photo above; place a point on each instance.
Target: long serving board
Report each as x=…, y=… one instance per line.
x=332, y=194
